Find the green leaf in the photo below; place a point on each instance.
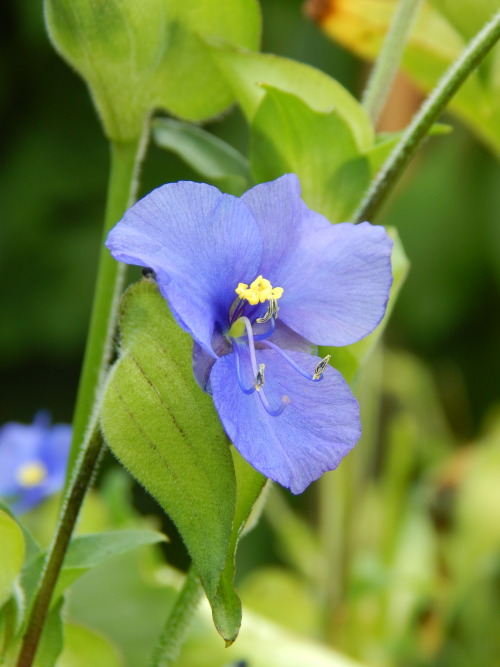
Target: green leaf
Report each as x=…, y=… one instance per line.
x=386, y=141
x=85, y=552
x=226, y=609
x=466, y=16
x=250, y=74
x=350, y=359
x=12, y=555
x=441, y=31
x=139, y=56
x=217, y=161
x=165, y=430
x=83, y=647
x=287, y=135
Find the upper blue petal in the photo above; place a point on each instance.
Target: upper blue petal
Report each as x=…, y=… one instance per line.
x=200, y=243
x=337, y=281
x=319, y=426
x=336, y=278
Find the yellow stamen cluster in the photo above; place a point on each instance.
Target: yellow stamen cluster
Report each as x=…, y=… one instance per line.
x=31, y=474
x=259, y=291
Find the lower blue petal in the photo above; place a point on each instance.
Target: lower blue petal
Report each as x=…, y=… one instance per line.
x=318, y=427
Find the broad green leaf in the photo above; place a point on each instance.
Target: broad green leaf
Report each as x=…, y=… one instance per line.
x=250, y=74
x=139, y=56
x=441, y=31
x=287, y=135
x=85, y=648
x=226, y=609
x=217, y=161
x=349, y=360
x=165, y=430
x=11, y=554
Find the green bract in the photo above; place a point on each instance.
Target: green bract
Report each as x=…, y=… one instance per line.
x=165, y=430
x=138, y=56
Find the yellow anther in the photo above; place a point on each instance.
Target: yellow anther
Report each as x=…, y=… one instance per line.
x=31, y=474
x=259, y=291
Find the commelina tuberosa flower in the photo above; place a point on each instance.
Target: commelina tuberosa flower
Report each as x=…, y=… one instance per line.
x=259, y=282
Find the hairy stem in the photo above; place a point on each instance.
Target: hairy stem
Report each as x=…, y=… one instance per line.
x=170, y=642
x=69, y=514
x=428, y=113
x=125, y=158
x=87, y=441
x=389, y=58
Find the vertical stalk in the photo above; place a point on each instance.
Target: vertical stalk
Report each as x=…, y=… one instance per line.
x=389, y=58
x=87, y=440
x=170, y=642
x=125, y=159
x=428, y=113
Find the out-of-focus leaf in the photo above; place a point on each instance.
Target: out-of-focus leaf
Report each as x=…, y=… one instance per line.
x=87, y=551
x=440, y=32
x=11, y=616
x=287, y=135
x=217, y=161
x=466, y=16
x=385, y=142
x=262, y=643
x=138, y=56
x=348, y=360
x=165, y=430
x=297, y=542
x=250, y=74
x=284, y=597
x=474, y=547
x=85, y=648
x=52, y=639
x=11, y=555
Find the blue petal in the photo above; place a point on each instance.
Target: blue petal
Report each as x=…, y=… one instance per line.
x=336, y=278
x=319, y=426
x=278, y=210
x=200, y=243
x=338, y=289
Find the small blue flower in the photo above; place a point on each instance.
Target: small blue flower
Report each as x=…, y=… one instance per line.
x=256, y=281
x=32, y=461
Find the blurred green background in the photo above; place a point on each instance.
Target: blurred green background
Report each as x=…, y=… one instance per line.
x=53, y=173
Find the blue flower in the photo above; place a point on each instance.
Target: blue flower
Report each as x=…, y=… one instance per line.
x=257, y=281
x=32, y=461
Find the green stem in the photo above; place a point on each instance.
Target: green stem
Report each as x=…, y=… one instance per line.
x=125, y=158
x=389, y=58
x=87, y=441
x=169, y=645
x=69, y=514
x=416, y=132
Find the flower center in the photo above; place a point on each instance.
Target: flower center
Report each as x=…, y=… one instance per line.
x=31, y=474
x=259, y=291
x=243, y=314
